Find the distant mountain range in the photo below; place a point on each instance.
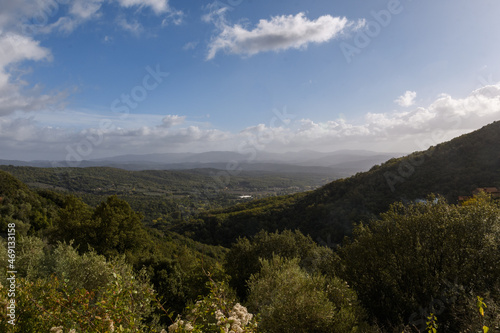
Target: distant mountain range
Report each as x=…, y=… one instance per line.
x=342, y=163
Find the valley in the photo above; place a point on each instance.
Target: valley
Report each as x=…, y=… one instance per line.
x=204, y=234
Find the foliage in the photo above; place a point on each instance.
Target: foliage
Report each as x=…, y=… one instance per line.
x=85, y=293
x=180, y=280
x=450, y=169
x=244, y=257
x=289, y=299
x=165, y=197
x=225, y=226
x=18, y=204
x=81, y=241
x=118, y=228
x=407, y=259
x=218, y=312
x=432, y=323
x=74, y=223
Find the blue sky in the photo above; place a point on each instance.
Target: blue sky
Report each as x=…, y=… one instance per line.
x=97, y=78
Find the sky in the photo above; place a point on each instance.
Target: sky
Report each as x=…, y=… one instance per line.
x=89, y=79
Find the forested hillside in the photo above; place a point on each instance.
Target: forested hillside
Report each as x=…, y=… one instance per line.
x=407, y=266
x=451, y=169
x=167, y=196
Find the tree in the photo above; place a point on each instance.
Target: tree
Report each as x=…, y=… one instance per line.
x=74, y=222
x=118, y=229
x=243, y=259
x=82, y=293
x=289, y=299
x=424, y=256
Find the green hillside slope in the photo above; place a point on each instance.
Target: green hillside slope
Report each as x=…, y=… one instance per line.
x=450, y=169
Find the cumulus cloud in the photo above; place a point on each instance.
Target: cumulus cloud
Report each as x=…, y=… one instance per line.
x=14, y=95
x=21, y=21
x=406, y=100
x=172, y=120
x=15, y=48
x=482, y=105
x=404, y=131
x=27, y=138
x=443, y=119
x=277, y=34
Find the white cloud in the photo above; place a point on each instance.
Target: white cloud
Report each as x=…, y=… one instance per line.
x=15, y=48
x=79, y=12
x=85, y=9
x=22, y=20
x=27, y=138
x=403, y=131
x=133, y=27
x=14, y=12
x=14, y=95
x=172, y=120
x=158, y=6
x=442, y=120
x=174, y=16
x=406, y=100
x=277, y=34
x=215, y=13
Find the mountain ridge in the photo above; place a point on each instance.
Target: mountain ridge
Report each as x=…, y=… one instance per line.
x=450, y=169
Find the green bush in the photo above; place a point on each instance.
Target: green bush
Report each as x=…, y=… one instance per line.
x=425, y=257
x=218, y=312
x=60, y=288
x=243, y=259
x=288, y=299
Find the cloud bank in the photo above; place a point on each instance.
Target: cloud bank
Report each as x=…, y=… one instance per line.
x=404, y=131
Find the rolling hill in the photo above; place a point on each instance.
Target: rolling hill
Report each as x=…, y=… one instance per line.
x=450, y=169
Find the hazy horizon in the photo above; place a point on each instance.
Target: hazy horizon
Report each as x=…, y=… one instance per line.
x=102, y=78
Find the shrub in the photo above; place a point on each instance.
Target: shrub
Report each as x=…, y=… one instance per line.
x=85, y=293
x=425, y=256
x=289, y=299
x=216, y=313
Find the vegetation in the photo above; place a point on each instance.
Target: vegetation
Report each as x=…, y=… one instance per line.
x=165, y=196
x=87, y=293
x=431, y=255
x=291, y=300
x=245, y=256
x=279, y=264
